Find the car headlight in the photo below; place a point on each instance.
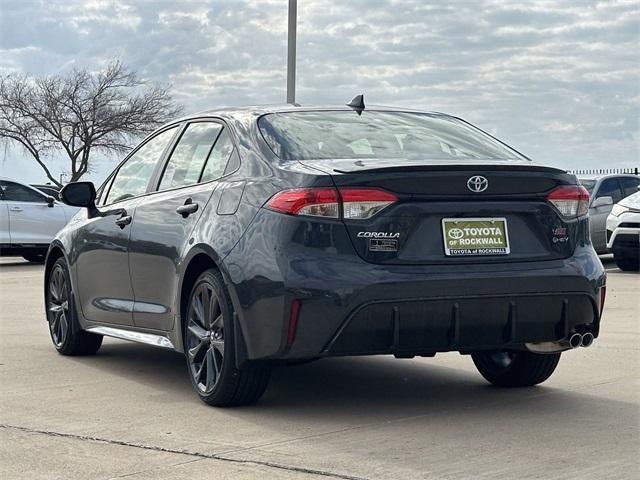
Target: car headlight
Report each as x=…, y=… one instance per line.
x=618, y=210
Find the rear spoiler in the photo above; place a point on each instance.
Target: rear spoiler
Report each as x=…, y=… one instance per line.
x=459, y=167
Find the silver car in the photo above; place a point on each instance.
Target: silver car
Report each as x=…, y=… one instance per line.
x=605, y=191
x=29, y=219
x=623, y=233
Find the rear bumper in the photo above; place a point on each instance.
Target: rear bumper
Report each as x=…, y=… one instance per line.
x=468, y=323
x=623, y=237
x=351, y=307
x=623, y=231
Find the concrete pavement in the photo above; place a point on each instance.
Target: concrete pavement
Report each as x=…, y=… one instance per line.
x=130, y=412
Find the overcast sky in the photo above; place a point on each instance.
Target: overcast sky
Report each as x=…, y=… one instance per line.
x=559, y=81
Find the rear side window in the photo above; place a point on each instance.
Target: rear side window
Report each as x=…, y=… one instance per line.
x=19, y=193
x=610, y=188
x=629, y=185
x=134, y=175
x=373, y=134
x=188, y=158
x=219, y=157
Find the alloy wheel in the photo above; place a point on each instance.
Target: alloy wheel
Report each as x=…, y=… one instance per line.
x=58, y=306
x=205, y=338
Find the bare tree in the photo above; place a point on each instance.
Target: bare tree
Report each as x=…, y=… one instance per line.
x=80, y=113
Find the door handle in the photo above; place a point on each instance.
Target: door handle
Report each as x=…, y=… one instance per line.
x=123, y=221
x=15, y=209
x=187, y=209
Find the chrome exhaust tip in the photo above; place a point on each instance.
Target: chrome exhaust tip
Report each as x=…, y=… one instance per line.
x=587, y=340
x=575, y=340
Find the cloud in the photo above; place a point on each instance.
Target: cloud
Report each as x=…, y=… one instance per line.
x=558, y=80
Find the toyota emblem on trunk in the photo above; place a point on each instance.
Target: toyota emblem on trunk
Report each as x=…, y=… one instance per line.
x=477, y=184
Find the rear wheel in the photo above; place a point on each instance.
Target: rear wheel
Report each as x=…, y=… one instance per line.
x=515, y=368
x=210, y=348
x=627, y=259
x=66, y=334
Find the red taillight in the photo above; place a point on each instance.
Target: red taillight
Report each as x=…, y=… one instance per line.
x=316, y=202
x=357, y=203
x=602, y=295
x=293, y=322
x=572, y=201
x=362, y=203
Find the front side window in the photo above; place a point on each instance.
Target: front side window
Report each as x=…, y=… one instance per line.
x=19, y=193
x=610, y=188
x=629, y=185
x=378, y=135
x=219, y=157
x=133, y=176
x=188, y=158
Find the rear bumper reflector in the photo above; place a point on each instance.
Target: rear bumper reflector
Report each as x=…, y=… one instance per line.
x=294, y=313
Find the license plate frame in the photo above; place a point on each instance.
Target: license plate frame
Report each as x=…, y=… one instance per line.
x=494, y=244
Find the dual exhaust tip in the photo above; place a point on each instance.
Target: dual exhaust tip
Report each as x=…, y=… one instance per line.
x=574, y=340
x=581, y=340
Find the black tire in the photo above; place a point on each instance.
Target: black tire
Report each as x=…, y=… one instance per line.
x=35, y=257
x=627, y=259
x=515, y=368
x=64, y=328
x=210, y=348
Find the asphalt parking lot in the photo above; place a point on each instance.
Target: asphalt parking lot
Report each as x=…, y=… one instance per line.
x=130, y=411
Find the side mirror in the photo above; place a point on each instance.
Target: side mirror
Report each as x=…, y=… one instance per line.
x=79, y=194
x=602, y=202
x=50, y=201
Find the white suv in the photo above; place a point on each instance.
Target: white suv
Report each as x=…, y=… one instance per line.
x=29, y=219
x=623, y=233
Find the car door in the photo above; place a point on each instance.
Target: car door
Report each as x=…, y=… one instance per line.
x=102, y=257
x=165, y=219
x=32, y=218
x=609, y=187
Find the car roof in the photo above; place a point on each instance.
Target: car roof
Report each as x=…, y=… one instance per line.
x=13, y=180
x=282, y=108
x=604, y=176
x=8, y=179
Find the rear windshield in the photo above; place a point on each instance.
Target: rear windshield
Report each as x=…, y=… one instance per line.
x=374, y=134
x=588, y=184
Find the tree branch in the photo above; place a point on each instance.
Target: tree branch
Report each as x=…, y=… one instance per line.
x=80, y=112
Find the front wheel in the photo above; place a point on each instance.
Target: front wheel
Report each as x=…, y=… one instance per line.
x=512, y=368
x=627, y=259
x=210, y=348
x=66, y=334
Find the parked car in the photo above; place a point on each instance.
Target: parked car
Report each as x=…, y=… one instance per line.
x=249, y=237
x=29, y=219
x=605, y=191
x=623, y=233
x=48, y=189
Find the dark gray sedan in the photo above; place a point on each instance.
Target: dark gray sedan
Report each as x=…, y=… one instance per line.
x=261, y=236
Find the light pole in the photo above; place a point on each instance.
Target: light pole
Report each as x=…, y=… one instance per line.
x=291, y=52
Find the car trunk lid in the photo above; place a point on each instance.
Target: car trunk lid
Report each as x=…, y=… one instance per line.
x=436, y=198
